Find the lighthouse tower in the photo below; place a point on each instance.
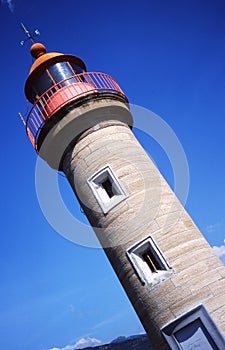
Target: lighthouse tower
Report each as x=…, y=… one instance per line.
x=80, y=123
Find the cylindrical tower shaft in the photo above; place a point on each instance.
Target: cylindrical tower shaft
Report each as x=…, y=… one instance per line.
x=149, y=212
x=80, y=123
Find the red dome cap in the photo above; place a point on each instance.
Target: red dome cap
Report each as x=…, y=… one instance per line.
x=37, y=50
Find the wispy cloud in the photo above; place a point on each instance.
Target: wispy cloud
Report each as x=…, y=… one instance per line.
x=220, y=252
x=109, y=320
x=212, y=228
x=9, y=3
x=71, y=308
x=81, y=343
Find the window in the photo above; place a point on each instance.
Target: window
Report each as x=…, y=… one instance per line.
x=194, y=330
x=195, y=335
x=41, y=84
x=107, y=189
x=77, y=69
x=61, y=72
x=149, y=262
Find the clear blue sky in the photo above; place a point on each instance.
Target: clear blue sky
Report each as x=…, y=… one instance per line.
x=169, y=57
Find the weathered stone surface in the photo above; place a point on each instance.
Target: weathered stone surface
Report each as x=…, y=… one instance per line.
x=215, y=303
x=218, y=287
x=206, y=278
x=221, y=270
x=191, y=301
x=219, y=314
x=149, y=209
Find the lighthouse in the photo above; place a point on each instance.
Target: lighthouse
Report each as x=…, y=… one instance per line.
x=80, y=123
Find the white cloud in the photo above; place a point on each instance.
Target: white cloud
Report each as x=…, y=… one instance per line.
x=84, y=342
x=220, y=252
x=9, y=3
x=212, y=228
x=81, y=343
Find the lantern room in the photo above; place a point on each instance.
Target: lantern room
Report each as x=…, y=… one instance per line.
x=50, y=69
x=55, y=81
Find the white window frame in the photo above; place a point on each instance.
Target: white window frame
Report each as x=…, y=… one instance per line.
x=146, y=275
x=200, y=313
x=105, y=201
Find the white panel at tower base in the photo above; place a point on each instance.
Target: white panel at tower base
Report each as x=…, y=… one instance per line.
x=162, y=260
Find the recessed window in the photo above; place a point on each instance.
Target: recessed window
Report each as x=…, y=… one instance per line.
x=194, y=330
x=107, y=189
x=152, y=261
x=149, y=262
x=195, y=335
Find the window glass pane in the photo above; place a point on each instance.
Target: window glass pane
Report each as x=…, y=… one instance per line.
x=41, y=84
x=60, y=71
x=76, y=68
x=195, y=336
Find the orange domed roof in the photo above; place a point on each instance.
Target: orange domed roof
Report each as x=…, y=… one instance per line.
x=38, y=51
x=43, y=61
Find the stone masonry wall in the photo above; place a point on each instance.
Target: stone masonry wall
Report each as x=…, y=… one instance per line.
x=150, y=209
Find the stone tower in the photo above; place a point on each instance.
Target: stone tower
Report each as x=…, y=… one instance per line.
x=80, y=123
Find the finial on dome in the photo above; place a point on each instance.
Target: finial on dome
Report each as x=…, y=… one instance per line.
x=37, y=50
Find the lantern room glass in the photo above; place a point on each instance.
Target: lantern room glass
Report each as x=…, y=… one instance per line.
x=59, y=72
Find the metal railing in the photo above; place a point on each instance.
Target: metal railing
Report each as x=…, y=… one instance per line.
x=64, y=92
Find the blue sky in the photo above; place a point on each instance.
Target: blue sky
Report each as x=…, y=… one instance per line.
x=169, y=57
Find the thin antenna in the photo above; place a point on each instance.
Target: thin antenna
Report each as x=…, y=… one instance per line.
x=21, y=118
x=28, y=34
